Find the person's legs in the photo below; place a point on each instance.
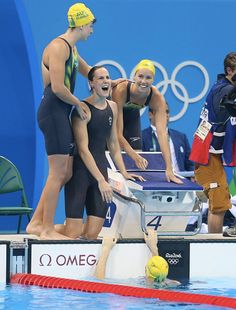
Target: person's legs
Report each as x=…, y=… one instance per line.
x=96, y=210
x=35, y=225
x=213, y=179
x=215, y=222
x=75, y=197
x=72, y=228
x=92, y=227
x=42, y=222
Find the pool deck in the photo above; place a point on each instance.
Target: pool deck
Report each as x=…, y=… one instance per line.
x=188, y=256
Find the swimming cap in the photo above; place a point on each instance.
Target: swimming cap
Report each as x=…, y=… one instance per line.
x=157, y=268
x=146, y=64
x=79, y=15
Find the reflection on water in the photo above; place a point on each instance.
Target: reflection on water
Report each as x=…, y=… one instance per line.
x=32, y=297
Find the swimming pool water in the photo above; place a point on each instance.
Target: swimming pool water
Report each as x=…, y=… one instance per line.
x=32, y=297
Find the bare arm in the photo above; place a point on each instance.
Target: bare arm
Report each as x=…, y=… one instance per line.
x=119, y=96
x=81, y=138
x=114, y=147
x=158, y=106
x=83, y=67
x=113, y=144
x=151, y=241
x=57, y=54
x=107, y=245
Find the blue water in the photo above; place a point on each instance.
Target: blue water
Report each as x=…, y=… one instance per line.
x=32, y=297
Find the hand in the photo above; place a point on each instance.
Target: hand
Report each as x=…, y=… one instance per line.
x=133, y=176
x=140, y=162
x=172, y=178
x=82, y=112
x=108, y=242
x=105, y=190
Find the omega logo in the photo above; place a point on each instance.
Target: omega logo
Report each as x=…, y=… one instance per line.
x=70, y=260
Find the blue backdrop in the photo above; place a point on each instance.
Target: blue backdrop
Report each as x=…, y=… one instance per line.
x=187, y=40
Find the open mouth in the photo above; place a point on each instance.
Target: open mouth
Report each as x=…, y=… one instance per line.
x=144, y=86
x=105, y=87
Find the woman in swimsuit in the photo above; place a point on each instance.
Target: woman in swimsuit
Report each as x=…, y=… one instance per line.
x=130, y=98
x=60, y=64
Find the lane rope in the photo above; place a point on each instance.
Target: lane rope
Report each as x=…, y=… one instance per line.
x=124, y=290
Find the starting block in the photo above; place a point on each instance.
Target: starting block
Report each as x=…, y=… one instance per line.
x=156, y=203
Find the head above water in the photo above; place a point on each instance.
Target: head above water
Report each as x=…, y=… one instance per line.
x=79, y=15
x=146, y=64
x=157, y=269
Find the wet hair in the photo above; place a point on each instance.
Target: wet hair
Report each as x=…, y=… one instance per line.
x=92, y=72
x=230, y=62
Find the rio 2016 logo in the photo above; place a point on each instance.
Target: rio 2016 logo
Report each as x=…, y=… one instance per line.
x=175, y=85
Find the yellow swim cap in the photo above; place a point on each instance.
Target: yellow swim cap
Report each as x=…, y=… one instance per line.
x=79, y=15
x=157, y=268
x=146, y=64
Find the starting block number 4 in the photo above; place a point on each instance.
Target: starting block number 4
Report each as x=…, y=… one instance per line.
x=110, y=215
x=155, y=222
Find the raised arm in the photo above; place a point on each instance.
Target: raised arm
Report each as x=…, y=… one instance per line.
x=107, y=245
x=151, y=241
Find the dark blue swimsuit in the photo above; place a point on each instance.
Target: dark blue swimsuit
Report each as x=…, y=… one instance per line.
x=131, y=120
x=82, y=189
x=54, y=114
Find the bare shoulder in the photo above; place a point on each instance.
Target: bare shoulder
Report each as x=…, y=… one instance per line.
x=119, y=93
x=156, y=92
x=120, y=88
x=157, y=99
x=85, y=107
x=57, y=46
x=75, y=115
x=113, y=105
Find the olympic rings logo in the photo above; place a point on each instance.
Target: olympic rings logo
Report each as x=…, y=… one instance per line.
x=173, y=261
x=174, y=84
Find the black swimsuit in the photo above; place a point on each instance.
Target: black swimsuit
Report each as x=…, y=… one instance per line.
x=82, y=189
x=53, y=113
x=131, y=119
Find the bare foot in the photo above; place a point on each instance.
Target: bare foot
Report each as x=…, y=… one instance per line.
x=34, y=228
x=60, y=228
x=53, y=235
